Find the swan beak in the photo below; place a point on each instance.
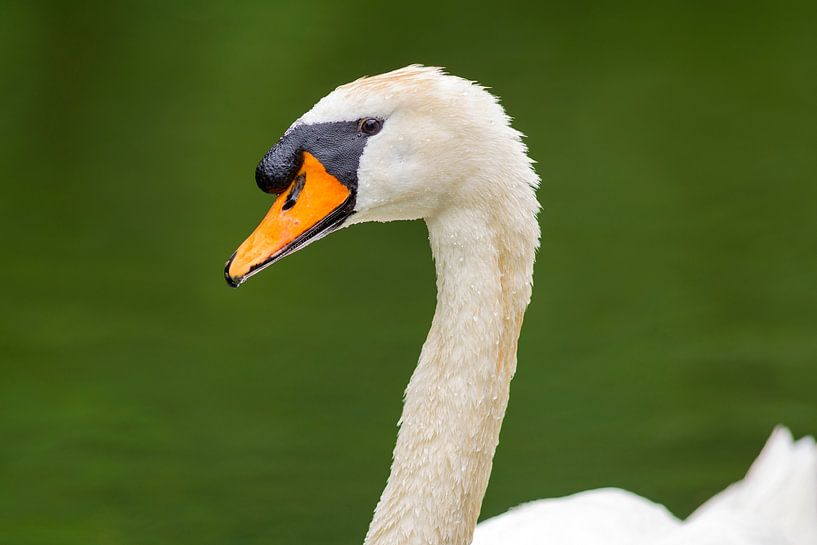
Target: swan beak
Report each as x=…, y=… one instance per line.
x=315, y=204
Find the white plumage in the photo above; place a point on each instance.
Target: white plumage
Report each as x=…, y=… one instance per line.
x=448, y=155
x=775, y=504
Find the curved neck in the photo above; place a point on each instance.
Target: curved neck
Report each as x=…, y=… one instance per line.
x=457, y=396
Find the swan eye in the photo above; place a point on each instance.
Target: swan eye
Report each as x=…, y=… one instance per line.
x=370, y=126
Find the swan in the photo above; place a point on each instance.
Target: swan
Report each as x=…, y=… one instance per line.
x=418, y=143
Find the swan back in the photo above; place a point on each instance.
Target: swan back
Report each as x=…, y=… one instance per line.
x=608, y=516
x=775, y=504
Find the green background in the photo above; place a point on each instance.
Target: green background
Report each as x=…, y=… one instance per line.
x=674, y=318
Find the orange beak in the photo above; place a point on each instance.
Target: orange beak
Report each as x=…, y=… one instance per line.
x=312, y=206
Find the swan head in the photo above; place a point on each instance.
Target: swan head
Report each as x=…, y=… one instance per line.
x=402, y=145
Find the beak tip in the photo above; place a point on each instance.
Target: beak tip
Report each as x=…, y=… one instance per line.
x=232, y=281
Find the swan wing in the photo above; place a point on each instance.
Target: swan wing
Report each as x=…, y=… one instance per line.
x=775, y=504
x=617, y=517
x=779, y=491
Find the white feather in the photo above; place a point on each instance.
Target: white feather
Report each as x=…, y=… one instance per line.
x=775, y=504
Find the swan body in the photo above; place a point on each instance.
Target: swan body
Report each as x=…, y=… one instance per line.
x=775, y=504
x=417, y=143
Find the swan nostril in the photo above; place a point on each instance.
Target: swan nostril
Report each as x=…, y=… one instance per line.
x=297, y=187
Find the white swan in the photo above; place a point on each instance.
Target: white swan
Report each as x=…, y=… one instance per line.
x=419, y=144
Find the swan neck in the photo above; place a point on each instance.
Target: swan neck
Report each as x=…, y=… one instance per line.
x=457, y=396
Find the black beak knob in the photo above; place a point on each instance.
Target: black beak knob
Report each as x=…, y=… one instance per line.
x=279, y=166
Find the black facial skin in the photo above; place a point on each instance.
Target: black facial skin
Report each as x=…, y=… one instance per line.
x=338, y=146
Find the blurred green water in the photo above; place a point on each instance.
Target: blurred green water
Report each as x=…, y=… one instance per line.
x=674, y=319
